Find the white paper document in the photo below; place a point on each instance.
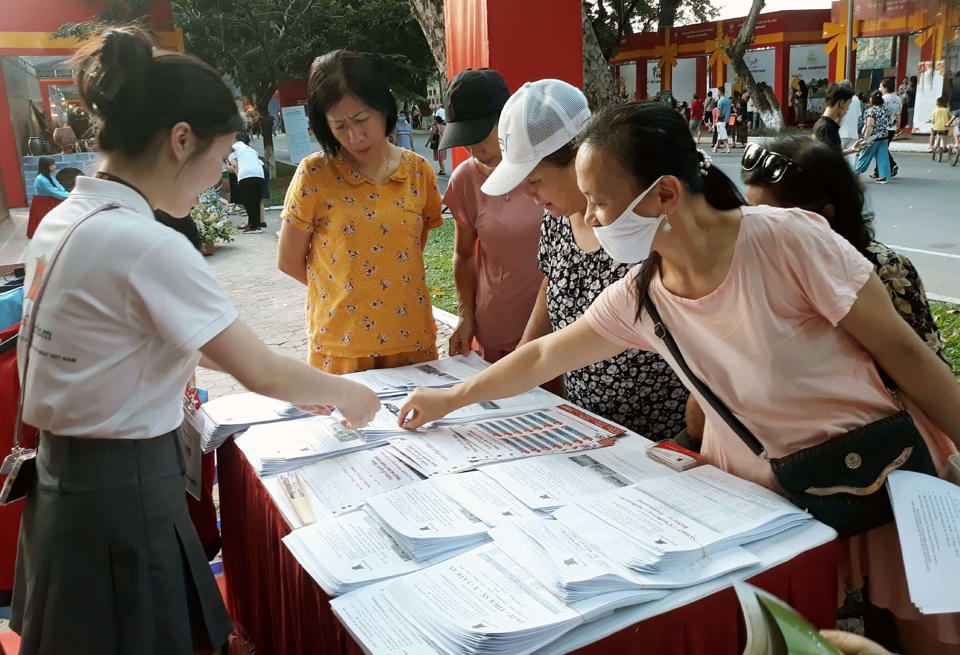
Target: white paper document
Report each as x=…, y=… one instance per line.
x=456, y=448
x=378, y=626
x=425, y=521
x=343, y=484
x=276, y=447
x=927, y=512
x=439, y=373
x=545, y=483
x=670, y=522
x=219, y=418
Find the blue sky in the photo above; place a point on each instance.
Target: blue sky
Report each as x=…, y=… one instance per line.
x=736, y=8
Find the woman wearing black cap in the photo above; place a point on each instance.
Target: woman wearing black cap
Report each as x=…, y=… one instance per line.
x=495, y=255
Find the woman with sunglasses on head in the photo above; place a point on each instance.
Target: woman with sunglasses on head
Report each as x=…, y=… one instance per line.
x=780, y=316
x=636, y=388
x=108, y=561
x=802, y=172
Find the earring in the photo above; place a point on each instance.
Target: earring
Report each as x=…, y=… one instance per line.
x=666, y=224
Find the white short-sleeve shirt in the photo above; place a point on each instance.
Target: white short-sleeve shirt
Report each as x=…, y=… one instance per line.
x=117, y=334
x=248, y=161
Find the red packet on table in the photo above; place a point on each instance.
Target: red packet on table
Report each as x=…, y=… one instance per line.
x=673, y=455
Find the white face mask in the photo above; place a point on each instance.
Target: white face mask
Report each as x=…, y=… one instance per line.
x=628, y=239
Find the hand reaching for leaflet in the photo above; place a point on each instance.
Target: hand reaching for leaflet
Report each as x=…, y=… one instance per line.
x=462, y=338
x=425, y=405
x=359, y=404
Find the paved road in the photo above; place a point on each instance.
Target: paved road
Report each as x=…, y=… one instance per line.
x=917, y=213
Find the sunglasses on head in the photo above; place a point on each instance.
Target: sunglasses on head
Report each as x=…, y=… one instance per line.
x=771, y=165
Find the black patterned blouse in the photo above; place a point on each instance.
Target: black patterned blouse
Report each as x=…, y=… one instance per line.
x=906, y=291
x=636, y=388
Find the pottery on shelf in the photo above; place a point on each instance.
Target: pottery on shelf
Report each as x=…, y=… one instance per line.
x=65, y=138
x=35, y=146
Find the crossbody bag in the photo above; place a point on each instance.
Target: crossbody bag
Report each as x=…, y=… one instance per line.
x=20, y=466
x=840, y=481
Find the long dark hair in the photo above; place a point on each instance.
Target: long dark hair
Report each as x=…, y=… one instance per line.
x=821, y=177
x=137, y=91
x=43, y=167
x=648, y=140
x=337, y=74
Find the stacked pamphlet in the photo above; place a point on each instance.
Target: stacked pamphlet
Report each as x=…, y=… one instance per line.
x=452, y=449
x=218, y=419
x=578, y=569
x=927, y=512
x=347, y=552
x=278, y=447
x=399, y=381
x=669, y=523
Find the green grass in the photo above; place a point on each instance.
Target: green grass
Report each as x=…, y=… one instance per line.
x=947, y=317
x=438, y=260
x=279, y=183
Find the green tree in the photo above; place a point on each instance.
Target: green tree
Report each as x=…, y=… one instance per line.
x=261, y=43
x=614, y=19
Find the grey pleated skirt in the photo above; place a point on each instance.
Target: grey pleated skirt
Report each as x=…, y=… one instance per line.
x=108, y=562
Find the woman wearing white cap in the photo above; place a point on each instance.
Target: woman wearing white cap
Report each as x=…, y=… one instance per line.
x=538, y=124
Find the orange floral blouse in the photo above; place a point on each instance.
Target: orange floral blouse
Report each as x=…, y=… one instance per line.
x=367, y=293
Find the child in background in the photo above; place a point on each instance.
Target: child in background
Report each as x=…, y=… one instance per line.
x=939, y=120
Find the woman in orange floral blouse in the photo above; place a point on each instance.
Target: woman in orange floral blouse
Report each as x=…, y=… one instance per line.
x=355, y=222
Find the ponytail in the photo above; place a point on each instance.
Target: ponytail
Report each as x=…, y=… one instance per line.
x=642, y=280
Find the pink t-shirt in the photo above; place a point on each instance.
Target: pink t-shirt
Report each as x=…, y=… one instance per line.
x=508, y=277
x=765, y=341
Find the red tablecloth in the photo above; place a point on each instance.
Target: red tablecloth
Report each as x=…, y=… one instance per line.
x=286, y=613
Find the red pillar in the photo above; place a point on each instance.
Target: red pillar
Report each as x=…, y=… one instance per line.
x=781, y=80
x=500, y=34
x=9, y=161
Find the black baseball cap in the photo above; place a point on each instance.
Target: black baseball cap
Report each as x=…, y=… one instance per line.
x=474, y=100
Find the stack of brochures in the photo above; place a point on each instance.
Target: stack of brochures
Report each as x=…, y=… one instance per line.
x=425, y=521
x=399, y=381
x=279, y=447
x=218, y=419
x=668, y=523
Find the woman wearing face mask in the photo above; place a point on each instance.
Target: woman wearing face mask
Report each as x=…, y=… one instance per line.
x=781, y=317
x=636, y=388
x=495, y=251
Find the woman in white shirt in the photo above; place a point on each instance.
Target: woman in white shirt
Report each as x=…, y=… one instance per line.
x=108, y=561
x=244, y=162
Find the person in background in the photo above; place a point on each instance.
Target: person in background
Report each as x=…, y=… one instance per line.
x=47, y=193
x=828, y=126
x=434, y=135
x=742, y=120
x=635, y=388
x=108, y=561
x=244, y=162
x=495, y=243
x=781, y=317
x=416, y=118
x=850, y=123
x=875, y=139
x=910, y=100
x=893, y=105
x=67, y=177
x=939, y=122
x=404, y=132
x=355, y=222
x=696, y=117
x=721, y=119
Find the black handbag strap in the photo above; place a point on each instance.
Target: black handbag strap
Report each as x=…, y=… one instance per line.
x=735, y=424
x=30, y=314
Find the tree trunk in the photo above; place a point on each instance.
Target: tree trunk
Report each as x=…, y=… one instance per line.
x=598, y=83
x=261, y=102
x=764, y=99
x=668, y=13
x=429, y=14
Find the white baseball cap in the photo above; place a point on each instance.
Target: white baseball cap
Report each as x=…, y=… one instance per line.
x=539, y=119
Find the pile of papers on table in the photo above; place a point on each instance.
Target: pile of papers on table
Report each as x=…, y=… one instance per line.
x=218, y=419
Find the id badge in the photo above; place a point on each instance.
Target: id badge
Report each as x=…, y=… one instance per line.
x=190, y=447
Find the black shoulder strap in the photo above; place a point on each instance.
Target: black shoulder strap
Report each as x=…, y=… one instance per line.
x=735, y=424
